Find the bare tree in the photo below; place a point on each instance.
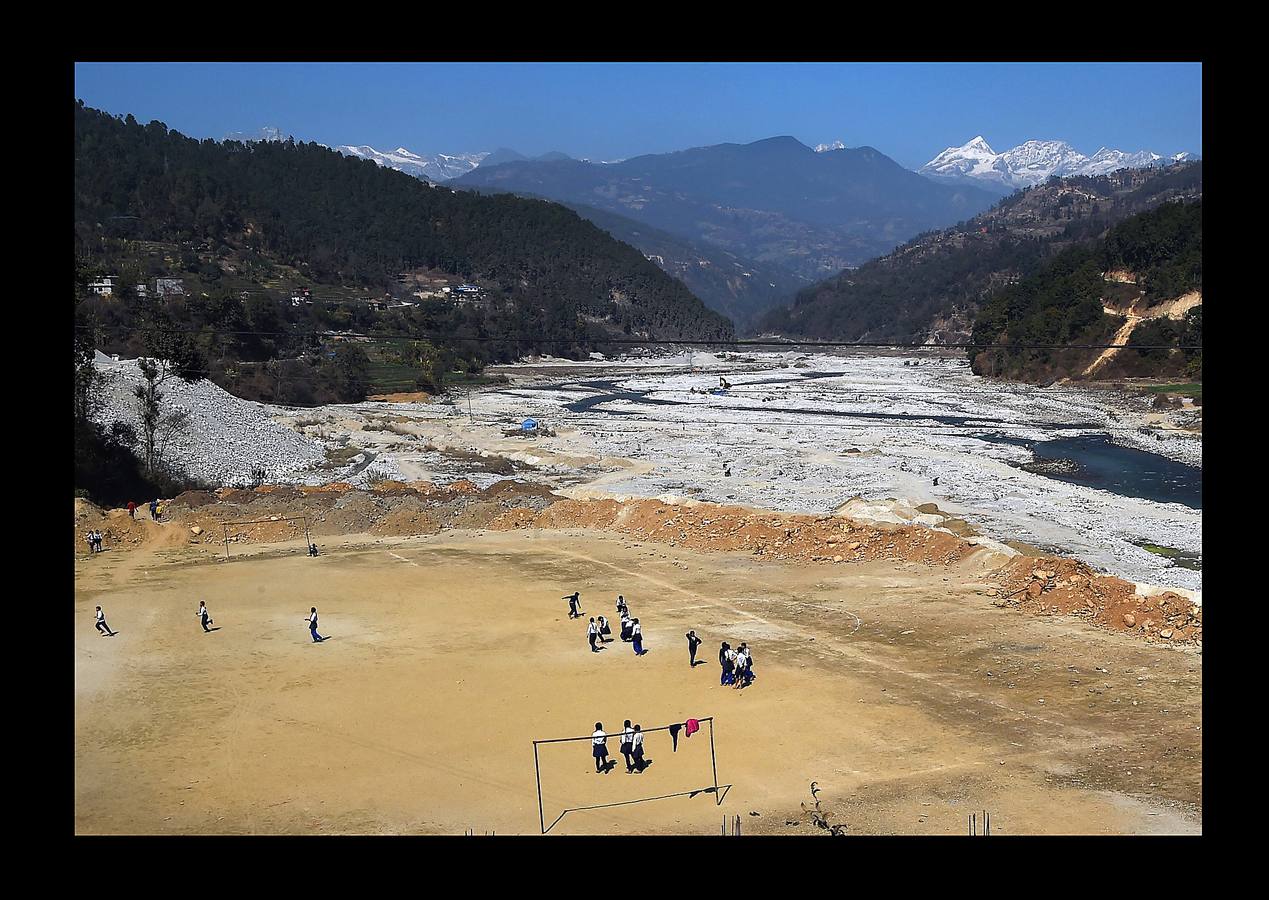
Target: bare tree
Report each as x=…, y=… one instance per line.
x=157, y=428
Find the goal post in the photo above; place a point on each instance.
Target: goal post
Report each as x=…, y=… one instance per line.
x=679, y=739
x=288, y=522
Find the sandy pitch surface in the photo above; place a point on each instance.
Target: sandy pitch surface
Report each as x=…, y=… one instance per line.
x=908, y=697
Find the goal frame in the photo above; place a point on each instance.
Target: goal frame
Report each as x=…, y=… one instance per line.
x=713, y=762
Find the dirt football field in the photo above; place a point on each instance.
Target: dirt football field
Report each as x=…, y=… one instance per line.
x=898, y=688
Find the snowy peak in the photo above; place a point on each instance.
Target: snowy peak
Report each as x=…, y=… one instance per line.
x=836, y=145
x=1033, y=162
x=267, y=133
x=440, y=167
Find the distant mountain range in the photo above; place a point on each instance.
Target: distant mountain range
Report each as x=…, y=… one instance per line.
x=442, y=167
x=774, y=201
x=1033, y=162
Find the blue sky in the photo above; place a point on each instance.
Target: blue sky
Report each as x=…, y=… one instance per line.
x=910, y=112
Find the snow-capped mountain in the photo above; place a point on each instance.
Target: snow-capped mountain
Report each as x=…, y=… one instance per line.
x=1034, y=162
x=836, y=145
x=267, y=133
x=440, y=167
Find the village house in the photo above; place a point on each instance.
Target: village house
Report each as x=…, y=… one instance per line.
x=104, y=287
x=169, y=287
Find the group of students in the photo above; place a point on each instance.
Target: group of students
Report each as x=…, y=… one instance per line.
x=94, y=539
x=205, y=618
x=737, y=665
x=631, y=749
x=597, y=631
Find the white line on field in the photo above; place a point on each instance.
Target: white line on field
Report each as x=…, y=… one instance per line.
x=402, y=558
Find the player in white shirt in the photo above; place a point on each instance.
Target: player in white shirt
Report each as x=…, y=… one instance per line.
x=312, y=626
x=627, y=746
x=592, y=635
x=204, y=615
x=636, y=635
x=101, y=624
x=637, y=751
x=599, y=748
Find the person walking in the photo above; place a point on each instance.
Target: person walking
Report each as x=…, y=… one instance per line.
x=574, y=602
x=636, y=635
x=154, y=510
x=627, y=746
x=599, y=748
x=604, y=630
x=312, y=626
x=98, y=537
x=637, y=750
x=203, y=615
x=101, y=624
x=88, y=538
x=724, y=660
x=692, y=643
x=748, y=665
x=592, y=634
x=132, y=509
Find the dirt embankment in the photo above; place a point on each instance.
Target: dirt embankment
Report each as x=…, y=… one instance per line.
x=1037, y=586
x=1051, y=586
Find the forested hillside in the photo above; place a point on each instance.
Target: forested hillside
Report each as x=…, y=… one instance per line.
x=241, y=222
x=1122, y=288
x=931, y=287
x=741, y=289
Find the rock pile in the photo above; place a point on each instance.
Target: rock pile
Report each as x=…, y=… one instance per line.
x=1050, y=586
x=227, y=437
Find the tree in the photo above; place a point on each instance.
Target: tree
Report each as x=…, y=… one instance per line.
x=157, y=428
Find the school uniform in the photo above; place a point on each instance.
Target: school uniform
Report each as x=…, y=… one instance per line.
x=637, y=752
x=592, y=632
x=625, y=628
x=636, y=635
x=729, y=667
x=101, y=623
x=627, y=747
x=312, y=627
x=604, y=627
x=203, y=614
x=599, y=747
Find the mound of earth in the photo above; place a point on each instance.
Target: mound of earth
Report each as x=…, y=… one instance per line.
x=1037, y=585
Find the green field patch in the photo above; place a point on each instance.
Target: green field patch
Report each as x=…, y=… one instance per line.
x=1188, y=389
x=1184, y=558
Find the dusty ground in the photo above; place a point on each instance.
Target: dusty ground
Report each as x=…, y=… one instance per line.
x=899, y=687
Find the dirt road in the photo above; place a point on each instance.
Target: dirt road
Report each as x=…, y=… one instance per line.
x=897, y=687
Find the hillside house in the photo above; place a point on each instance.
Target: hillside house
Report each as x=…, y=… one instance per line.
x=169, y=287
x=104, y=287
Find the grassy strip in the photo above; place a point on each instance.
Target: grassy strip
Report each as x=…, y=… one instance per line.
x=1183, y=558
x=1189, y=389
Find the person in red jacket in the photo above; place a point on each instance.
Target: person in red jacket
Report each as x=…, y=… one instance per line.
x=132, y=509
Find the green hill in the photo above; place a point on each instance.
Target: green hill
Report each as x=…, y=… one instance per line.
x=1066, y=302
x=243, y=224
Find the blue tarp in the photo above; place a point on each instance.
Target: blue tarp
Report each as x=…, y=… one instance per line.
x=529, y=425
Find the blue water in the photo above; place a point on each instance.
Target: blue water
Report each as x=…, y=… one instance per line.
x=1126, y=471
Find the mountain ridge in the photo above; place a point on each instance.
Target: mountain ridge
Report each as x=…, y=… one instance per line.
x=1033, y=162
